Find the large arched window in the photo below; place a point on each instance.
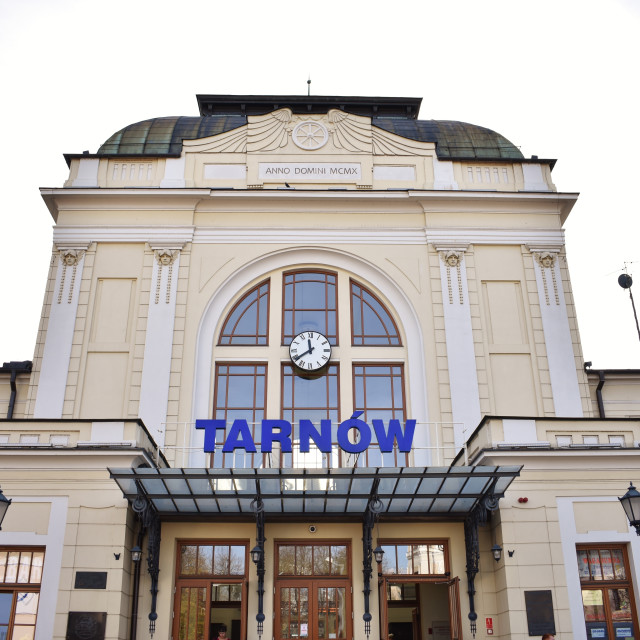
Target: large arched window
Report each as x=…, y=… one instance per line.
x=255, y=377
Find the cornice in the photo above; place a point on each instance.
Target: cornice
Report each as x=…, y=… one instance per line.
x=180, y=235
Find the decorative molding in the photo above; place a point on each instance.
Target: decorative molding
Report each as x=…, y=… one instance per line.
x=69, y=259
x=310, y=135
x=547, y=261
x=178, y=236
x=390, y=144
x=350, y=132
x=557, y=335
x=165, y=259
x=463, y=377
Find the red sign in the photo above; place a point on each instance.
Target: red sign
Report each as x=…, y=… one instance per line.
x=489, y=625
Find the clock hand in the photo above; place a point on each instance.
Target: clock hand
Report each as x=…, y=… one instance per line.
x=296, y=358
x=310, y=347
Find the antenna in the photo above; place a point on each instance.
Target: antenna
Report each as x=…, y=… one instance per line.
x=309, y=85
x=625, y=281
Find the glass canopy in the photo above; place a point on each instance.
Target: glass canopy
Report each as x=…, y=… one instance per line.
x=408, y=491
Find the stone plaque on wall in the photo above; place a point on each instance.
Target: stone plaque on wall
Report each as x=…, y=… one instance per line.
x=91, y=580
x=86, y=625
x=539, y=606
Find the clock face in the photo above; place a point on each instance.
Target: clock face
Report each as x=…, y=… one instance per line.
x=310, y=351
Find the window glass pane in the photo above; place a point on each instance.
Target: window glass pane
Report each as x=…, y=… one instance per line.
x=321, y=560
x=607, y=566
x=236, y=561
x=618, y=564
x=436, y=559
x=404, y=559
x=24, y=567
x=389, y=566
x=303, y=560
x=409, y=592
x=188, y=555
x=339, y=560
x=36, y=567
x=395, y=592
x=6, y=599
x=22, y=633
x=372, y=323
x=593, y=605
x=3, y=564
x=620, y=605
x=583, y=564
x=286, y=560
x=594, y=565
x=247, y=321
x=205, y=559
x=421, y=559
x=12, y=567
x=309, y=304
x=26, y=608
x=221, y=560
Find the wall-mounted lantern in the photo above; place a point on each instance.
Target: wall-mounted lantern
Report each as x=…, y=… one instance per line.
x=631, y=504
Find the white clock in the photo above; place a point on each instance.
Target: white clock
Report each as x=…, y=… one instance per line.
x=310, y=351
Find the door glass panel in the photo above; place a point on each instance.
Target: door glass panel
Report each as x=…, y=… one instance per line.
x=192, y=613
x=331, y=613
x=294, y=612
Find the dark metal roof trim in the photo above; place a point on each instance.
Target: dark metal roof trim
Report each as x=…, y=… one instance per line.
x=406, y=492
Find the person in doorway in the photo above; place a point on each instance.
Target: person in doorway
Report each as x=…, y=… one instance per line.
x=222, y=633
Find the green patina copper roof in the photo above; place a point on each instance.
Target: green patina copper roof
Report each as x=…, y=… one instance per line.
x=164, y=136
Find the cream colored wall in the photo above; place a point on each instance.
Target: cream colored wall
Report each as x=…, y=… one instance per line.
x=204, y=267
x=620, y=394
x=68, y=504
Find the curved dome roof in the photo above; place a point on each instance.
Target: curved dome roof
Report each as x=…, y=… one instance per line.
x=164, y=136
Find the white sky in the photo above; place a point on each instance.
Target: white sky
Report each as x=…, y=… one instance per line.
x=558, y=78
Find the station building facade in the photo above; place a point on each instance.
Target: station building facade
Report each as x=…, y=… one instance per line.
x=318, y=360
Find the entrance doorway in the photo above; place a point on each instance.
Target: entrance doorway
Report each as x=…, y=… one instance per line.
x=419, y=609
x=313, y=609
x=313, y=591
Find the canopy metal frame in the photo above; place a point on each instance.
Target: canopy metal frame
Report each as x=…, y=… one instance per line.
x=462, y=494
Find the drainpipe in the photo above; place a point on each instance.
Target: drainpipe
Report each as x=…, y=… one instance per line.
x=15, y=368
x=599, y=393
x=601, y=381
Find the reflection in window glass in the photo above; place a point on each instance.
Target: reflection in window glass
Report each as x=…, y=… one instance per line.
x=339, y=560
x=422, y=559
x=618, y=564
x=188, y=556
x=310, y=304
x=378, y=391
x=286, y=560
x=247, y=323
x=593, y=605
x=594, y=565
x=240, y=393
x=314, y=398
x=372, y=323
x=605, y=562
x=620, y=604
x=203, y=560
x=319, y=560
